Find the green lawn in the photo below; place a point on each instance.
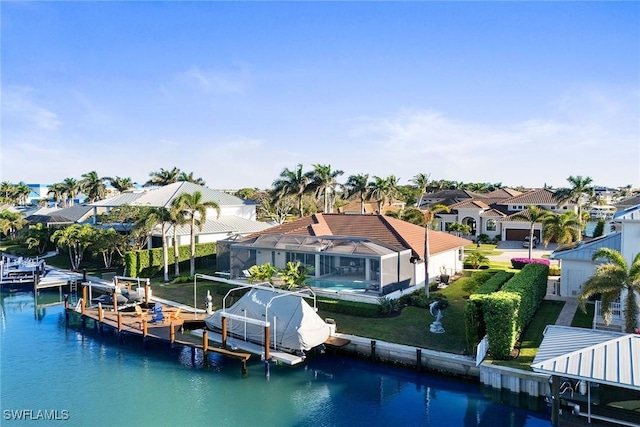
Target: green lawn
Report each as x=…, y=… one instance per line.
x=485, y=249
x=582, y=319
x=547, y=314
x=411, y=327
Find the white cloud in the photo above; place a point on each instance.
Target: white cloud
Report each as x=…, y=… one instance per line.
x=18, y=103
x=232, y=81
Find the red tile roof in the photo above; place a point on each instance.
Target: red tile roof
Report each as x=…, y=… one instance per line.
x=394, y=232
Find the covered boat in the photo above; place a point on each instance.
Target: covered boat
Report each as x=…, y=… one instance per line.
x=294, y=324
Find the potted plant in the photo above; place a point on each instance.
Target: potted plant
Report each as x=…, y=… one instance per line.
x=444, y=277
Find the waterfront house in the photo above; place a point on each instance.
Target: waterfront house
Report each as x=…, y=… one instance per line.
x=385, y=253
x=237, y=216
x=493, y=213
x=577, y=264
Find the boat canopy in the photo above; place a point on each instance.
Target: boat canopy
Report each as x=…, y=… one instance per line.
x=294, y=324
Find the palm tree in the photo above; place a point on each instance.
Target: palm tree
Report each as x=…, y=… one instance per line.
x=58, y=192
x=358, y=184
x=163, y=177
x=176, y=219
x=534, y=214
x=563, y=228
x=612, y=280
x=412, y=215
x=92, y=186
x=476, y=259
x=188, y=177
x=379, y=190
x=11, y=223
x=293, y=183
x=458, y=228
x=162, y=215
x=21, y=193
x=194, y=209
x=6, y=190
x=71, y=189
x=120, y=184
x=323, y=180
x=579, y=187
x=421, y=181
x=429, y=215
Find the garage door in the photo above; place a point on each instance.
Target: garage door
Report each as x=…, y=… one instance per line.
x=513, y=234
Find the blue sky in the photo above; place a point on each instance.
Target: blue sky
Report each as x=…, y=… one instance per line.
x=521, y=93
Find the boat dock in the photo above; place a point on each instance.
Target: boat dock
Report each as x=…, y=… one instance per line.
x=173, y=329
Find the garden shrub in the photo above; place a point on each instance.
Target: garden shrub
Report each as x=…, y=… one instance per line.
x=494, y=283
x=500, y=311
x=183, y=279
x=148, y=262
x=505, y=314
x=519, y=263
x=554, y=270
x=476, y=279
x=388, y=305
x=473, y=322
x=349, y=307
x=531, y=285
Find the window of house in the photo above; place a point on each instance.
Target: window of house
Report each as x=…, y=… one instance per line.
x=491, y=225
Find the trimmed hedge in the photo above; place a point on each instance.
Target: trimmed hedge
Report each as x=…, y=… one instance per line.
x=148, y=262
x=474, y=322
x=500, y=311
x=506, y=313
x=495, y=283
x=531, y=285
x=349, y=307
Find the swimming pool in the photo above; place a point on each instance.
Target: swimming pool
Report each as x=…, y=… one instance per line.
x=339, y=285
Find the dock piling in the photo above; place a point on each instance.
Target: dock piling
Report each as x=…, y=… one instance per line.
x=373, y=350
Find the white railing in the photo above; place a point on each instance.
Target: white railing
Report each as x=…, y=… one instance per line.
x=616, y=314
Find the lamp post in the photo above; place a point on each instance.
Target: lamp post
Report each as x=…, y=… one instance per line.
x=195, y=303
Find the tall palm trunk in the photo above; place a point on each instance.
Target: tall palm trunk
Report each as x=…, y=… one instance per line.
x=192, y=261
x=165, y=253
x=176, y=252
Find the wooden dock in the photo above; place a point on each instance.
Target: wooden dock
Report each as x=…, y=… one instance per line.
x=171, y=330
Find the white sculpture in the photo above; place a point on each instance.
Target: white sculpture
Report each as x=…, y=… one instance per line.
x=436, y=327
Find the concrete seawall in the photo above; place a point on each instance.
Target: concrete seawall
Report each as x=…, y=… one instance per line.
x=497, y=377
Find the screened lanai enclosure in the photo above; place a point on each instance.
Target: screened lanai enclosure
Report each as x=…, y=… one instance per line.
x=342, y=263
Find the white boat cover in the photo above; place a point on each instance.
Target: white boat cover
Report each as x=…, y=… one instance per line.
x=294, y=325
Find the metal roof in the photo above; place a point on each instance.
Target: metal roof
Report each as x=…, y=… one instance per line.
x=224, y=224
x=584, y=250
x=598, y=356
x=163, y=196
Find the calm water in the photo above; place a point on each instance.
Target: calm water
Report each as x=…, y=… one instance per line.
x=92, y=380
x=337, y=285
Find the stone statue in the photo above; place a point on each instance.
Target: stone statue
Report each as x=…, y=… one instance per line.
x=436, y=327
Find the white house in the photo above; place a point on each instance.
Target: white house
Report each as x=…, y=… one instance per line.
x=237, y=216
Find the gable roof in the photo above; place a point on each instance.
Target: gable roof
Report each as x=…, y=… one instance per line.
x=470, y=204
x=584, y=250
x=591, y=356
x=390, y=231
x=541, y=196
x=163, y=196
x=502, y=193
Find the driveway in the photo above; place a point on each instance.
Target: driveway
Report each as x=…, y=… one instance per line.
x=515, y=250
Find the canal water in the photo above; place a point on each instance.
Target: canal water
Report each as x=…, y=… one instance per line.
x=53, y=375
